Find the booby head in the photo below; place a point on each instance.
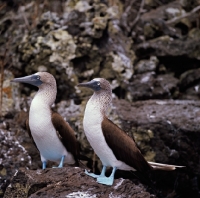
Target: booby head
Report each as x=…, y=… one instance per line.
x=37, y=79
x=97, y=85
x=102, y=96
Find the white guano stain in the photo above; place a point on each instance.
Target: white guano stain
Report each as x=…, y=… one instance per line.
x=119, y=183
x=80, y=194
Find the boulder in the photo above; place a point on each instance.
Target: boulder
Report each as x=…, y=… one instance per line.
x=69, y=182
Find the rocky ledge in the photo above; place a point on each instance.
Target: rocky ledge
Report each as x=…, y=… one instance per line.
x=69, y=182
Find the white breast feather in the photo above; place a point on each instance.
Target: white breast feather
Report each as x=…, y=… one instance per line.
x=44, y=133
x=92, y=127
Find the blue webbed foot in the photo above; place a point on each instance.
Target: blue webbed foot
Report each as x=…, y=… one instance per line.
x=91, y=174
x=61, y=163
x=97, y=176
x=106, y=180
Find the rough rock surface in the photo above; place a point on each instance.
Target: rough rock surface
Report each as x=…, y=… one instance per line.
x=69, y=182
x=149, y=86
x=167, y=131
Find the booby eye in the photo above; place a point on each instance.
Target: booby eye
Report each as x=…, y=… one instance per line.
x=38, y=77
x=98, y=83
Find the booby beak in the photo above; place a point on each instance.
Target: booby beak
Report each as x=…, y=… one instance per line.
x=32, y=79
x=93, y=84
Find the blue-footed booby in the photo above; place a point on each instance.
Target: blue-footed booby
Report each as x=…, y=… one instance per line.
x=51, y=134
x=111, y=144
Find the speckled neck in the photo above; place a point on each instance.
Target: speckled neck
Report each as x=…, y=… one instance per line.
x=47, y=93
x=101, y=100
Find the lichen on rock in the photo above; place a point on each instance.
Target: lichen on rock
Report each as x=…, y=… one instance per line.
x=9, y=92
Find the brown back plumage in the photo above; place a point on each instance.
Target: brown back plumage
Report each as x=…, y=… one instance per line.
x=123, y=146
x=66, y=135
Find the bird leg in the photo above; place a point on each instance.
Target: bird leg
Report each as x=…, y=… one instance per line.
x=107, y=180
x=44, y=164
x=61, y=162
x=97, y=176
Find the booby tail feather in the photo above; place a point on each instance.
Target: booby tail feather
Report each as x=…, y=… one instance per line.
x=166, y=167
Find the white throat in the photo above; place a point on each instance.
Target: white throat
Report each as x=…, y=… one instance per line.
x=39, y=116
x=40, y=109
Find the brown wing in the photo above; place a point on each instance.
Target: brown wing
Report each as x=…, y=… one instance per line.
x=66, y=135
x=29, y=132
x=123, y=146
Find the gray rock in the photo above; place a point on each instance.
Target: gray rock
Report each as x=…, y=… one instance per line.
x=189, y=78
x=189, y=84
x=149, y=86
x=146, y=65
x=76, y=45
x=167, y=46
x=69, y=182
x=166, y=131
x=12, y=156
